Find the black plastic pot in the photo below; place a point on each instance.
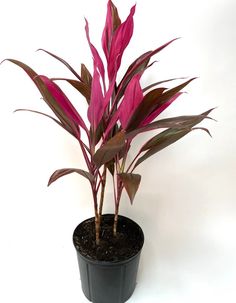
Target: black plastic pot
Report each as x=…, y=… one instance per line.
x=109, y=282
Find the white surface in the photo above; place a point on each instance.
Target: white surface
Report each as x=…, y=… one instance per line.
x=186, y=203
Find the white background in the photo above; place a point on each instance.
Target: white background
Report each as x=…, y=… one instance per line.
x=186, y=204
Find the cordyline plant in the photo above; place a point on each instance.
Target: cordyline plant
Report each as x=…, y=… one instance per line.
x=117, y=113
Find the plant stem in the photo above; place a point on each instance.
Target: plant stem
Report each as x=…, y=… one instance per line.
x=117, y=204
x=97, y=228
x=115, y=220
x=97, y=219
x=104, y=175
x=133, y=162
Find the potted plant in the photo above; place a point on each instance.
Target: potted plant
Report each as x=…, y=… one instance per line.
x=108, y=246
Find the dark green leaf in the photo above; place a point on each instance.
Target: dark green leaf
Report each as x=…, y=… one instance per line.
x=110, y=149
x=131, y=183
x=65, y=171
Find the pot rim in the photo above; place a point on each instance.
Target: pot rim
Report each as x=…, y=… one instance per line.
x=110, y=263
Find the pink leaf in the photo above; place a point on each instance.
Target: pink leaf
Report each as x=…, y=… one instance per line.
x=96, y=56
x=63, y=101
x=112, y=23
x=107, y=32
x=159, y=110
x=120, y=41
x=132, y=97
x=96, y=107
x=112, y=121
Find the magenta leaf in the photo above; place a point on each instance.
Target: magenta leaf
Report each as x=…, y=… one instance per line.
x=112, y=122
x=108, y=31
x=96, y=56
x=63, y=101
x=65, y=171
x=132, y=97
x=131, y=183
x=96, y=107
x=155, y=100
x=82, y=87
x=49, y=99
x=120, y=41
x=145, y=108
x=112, y=22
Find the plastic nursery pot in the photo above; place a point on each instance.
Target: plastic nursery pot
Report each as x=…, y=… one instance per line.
x=112, y=280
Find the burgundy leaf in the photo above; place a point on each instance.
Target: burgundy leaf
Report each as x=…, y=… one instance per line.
x=48, y=98
x=170, y=136
x=204, y=129
x=62, y=61
x=179, y=122
x=65, y=171
x=110, y=149
x=82, y=87
x=86, y=76
x=131, y=183
x=115, y=17
x=159, y=110
x=145, y=108
x=161, y=141
x=139, y=65
x=43, y=114
x=154, y=101
x=160, y=82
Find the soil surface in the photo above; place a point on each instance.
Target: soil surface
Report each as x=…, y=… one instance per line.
x=127, y=243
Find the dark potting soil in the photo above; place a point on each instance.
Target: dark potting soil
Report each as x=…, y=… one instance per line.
x=127, y=243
